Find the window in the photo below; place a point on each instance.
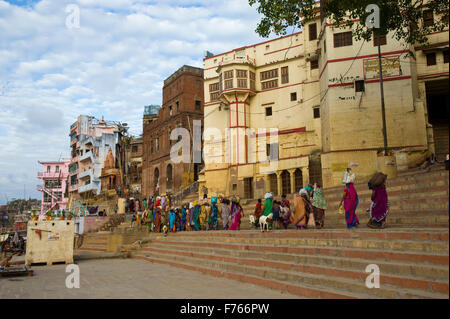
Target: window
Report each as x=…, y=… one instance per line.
x=178, y=106
x=134, y=148
x=428, y=20
x=269, y=111
x=274, y=154
x=269, y=74
x=228, y=75
x=325, y=46
x=316, y=112
x=214, y=91
x=431, y=59
x=170, y=110
x=294, y=96
x=445, y=56
x=269, y=84
x=314, y=64
x=252, y=80
x=359, y=86
x=312, y=31
x=381, y=38
x=151, y=147
x=284, y=75
x=198, y=105
x=57, y=169
x=343, y=39
x=228, y=84
x=241, y=74
x=157, y=144
x=48, y=169
x=242, y=83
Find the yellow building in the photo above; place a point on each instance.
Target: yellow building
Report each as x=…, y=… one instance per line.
x=313, y=97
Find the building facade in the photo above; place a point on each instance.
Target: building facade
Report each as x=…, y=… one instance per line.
x=90, y=141
x=54, y=176
x=302, y=108
x=134, y=152
x=182, y=105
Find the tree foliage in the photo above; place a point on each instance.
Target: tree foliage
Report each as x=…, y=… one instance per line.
x=402, y=17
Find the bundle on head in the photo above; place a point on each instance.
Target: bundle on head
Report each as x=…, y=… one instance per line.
x=378, y=179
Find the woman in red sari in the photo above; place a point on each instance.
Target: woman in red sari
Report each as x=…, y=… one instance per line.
x=351, y=201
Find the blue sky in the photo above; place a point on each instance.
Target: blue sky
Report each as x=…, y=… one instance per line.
x=113, y=65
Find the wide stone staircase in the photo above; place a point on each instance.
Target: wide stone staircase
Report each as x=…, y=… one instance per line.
x=417, y=199
x=413, y=263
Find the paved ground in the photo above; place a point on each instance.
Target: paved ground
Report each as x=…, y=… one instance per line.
x=129, y=278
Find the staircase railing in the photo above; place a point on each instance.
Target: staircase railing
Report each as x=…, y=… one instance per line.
x=193, y=188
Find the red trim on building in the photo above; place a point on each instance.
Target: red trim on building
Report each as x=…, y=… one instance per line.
x=289, y=131
x=433, y=74
x=371, y=149
x=253, y=45
x=373, y=81
x=295, y=46
x=286, y=86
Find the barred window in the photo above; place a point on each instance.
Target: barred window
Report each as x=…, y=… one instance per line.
x=228, y=74
x=241, y=73
x=381, y=38
x=214, y=87
x=242, y=83
x=314, y=64
x=269, y=74
x=343, y=39
x=228, y=84
x=214, y=96
x=269, y=84
x=284, y=75
x=312, y=32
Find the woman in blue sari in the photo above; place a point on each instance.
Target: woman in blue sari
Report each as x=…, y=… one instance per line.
x=351, y=201
x=214, y=213
x=183, y=218
x=196, y=217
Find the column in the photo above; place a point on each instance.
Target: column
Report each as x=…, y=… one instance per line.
x=305, y=173
x=292, y=176
x=279, y=183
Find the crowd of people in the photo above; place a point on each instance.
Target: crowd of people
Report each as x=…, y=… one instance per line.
x=307, y=210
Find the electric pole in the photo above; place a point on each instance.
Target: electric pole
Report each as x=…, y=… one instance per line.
x=383, y=111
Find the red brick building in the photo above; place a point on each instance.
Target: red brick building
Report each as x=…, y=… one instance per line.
x=183, y=100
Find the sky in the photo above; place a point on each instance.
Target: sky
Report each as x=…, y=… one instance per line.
x=112, y=64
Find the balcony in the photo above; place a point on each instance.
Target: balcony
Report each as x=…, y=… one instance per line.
x=86, y=173
x=86, y=156
x=87, y=188
x=236, y=59
x=41, y=175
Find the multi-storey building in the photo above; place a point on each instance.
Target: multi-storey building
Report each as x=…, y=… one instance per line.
x=54, y=184
x=90, y=142
x=182, y=105
x=319, y=92
x=134, y=152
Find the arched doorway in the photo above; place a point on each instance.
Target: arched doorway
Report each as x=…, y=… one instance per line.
x=285, y=182
x=298, y=179
x=273, y=184
x=169, y=176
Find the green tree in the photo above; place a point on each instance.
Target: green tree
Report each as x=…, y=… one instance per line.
x=403, y=17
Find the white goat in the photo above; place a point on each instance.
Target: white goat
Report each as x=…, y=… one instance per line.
x=263, y=221
x=252, y=219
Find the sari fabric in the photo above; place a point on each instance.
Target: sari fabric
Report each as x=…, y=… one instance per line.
x=183, y=219
x=213, y=216
x=157, y=221
x=300, y=212
x=236, y=220
x=268, y=207
x=172, y=221
x=196, y=218
x=380, y=204
x=225, y=216
x=351, y=202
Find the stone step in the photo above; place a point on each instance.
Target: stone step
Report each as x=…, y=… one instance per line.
x=347, y=253
x=397, y=245
x=297, y=277
x=313, y=263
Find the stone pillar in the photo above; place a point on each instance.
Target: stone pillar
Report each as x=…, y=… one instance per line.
x=279, y=183
x=292, y=176
x=305, y=173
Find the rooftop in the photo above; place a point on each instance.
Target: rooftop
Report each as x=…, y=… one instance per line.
x=184, y=69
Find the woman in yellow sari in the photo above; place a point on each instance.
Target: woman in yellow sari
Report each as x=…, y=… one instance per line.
x=300, y=210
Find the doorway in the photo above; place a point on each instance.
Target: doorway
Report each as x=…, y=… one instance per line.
x=248, y=187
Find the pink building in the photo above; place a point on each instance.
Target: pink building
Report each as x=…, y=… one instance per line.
x=54, y=182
